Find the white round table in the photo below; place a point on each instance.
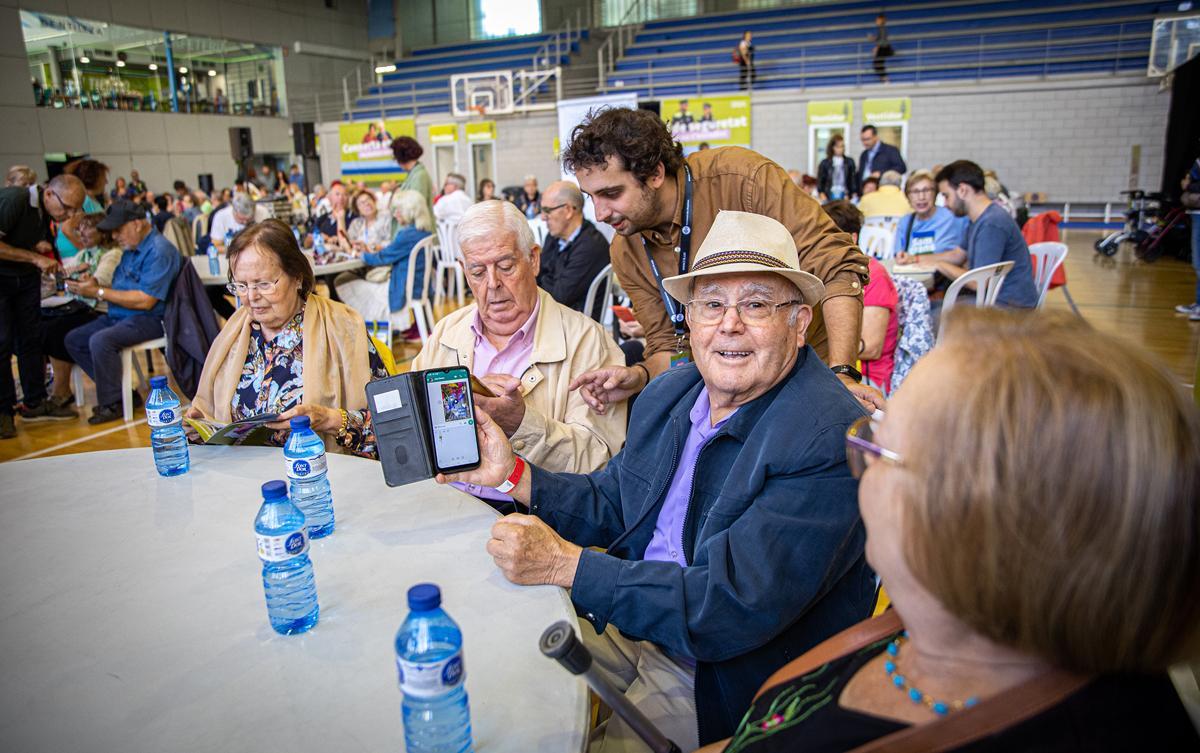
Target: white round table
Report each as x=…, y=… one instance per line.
x=133, y=617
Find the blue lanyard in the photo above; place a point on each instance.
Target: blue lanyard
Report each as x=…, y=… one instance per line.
x=684, y=250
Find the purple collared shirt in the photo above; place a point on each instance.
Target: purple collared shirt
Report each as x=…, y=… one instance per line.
x=513, y=360
x=666, y=545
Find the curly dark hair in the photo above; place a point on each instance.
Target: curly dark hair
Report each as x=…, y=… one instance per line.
x=406, y=149
x=638, y=137
x=94, y=174
x=845, y=215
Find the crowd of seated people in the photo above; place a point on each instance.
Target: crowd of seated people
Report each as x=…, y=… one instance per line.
x=723, y=536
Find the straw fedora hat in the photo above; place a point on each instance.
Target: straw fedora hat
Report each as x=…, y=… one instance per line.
x=743, y=242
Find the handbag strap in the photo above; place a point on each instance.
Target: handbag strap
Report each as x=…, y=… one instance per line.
x=846, y=642
x=988, y=717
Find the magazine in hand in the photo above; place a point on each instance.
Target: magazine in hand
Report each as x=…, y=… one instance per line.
x=249, y=431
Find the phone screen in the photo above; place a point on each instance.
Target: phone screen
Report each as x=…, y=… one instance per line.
x=452, y=419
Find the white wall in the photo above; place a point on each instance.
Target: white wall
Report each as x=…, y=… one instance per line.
x=1068, y=138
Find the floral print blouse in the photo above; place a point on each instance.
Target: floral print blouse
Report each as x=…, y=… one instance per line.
x=272, y=382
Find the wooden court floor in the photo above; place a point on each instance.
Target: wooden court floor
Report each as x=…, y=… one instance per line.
x=1119, y=295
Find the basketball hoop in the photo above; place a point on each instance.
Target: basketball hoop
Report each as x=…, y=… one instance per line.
x=480, y=109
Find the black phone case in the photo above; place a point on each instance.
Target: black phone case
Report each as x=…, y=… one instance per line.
x=402, y=434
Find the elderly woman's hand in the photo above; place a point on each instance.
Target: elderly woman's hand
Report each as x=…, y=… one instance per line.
x=323, y=420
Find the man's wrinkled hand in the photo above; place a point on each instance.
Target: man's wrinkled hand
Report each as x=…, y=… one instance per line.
x=496, y=458
x=530, y=553
x=507, y=409
x=612, y=384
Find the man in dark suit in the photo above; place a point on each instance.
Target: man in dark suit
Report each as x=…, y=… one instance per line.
x=575, y=250
x=878, y=157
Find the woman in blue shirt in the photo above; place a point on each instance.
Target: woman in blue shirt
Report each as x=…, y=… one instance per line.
x=382, y=295
x=930, y=229
x=95, y=180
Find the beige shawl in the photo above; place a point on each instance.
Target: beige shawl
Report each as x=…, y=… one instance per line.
x=336, y=360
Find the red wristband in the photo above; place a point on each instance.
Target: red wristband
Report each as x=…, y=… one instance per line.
x=510, y=483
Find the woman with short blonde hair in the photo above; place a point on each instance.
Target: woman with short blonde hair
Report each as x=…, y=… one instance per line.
x=1043, y=577
x=382, y=296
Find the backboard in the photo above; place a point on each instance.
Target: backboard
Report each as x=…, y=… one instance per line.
x=482, y=93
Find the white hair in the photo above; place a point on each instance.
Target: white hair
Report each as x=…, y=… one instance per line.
x=410, y=208
x=484, y=220
x=890, y=178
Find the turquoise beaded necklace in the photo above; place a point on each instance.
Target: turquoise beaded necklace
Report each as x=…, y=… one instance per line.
x=941, y=708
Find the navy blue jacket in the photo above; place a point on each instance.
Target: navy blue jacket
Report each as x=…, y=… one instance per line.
x=773, y=536
x=887, y=158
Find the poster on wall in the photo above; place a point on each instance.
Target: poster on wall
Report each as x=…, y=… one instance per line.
x=886, y=110
x=716, y=121
x=366, y=148
x=829, y=111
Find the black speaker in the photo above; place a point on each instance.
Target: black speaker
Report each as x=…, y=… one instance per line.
x=205, y=181
x=240, y=146
x=304, y=139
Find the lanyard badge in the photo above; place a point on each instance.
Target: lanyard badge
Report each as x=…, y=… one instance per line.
x=683, y=251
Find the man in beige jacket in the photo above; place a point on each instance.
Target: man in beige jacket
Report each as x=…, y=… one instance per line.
x=526, y=348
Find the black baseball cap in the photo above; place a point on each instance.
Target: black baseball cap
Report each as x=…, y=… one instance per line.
x=120, y=212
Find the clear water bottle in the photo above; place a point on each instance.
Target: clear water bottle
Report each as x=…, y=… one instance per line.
x=307, y=470
x=167, y=439
x=429, y=660
x=318, y=244
x=287, y=571
x=214, y=259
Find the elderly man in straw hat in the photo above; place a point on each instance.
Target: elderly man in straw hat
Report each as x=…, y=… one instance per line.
x=730, y=521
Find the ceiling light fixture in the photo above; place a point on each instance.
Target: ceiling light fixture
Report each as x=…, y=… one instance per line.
x=120, y=63
x=84, y=59
x=183, y=69
x=154, y=66
x=211, y=73
x=385, y=68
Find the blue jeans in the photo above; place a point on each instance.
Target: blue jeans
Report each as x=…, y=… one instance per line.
x=96, y=347
x=1194, y=217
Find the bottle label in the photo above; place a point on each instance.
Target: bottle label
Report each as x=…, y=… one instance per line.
x=282, y=548
x=430, y=679
x=160, y=417
x=302, y=468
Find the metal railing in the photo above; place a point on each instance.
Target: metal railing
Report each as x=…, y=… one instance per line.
x=919, y=61
x=550, y=54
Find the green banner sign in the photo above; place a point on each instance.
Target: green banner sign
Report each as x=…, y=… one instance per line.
x=886, y=110
x=366, y=148
x=830, y=111
x=484, y=130
x=443, y=133
x=716, y=121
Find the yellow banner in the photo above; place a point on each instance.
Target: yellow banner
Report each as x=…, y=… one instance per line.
x=443, y=133
x=830, y=111
x=716, y=121
x=366, y=148
x=886, y=110
x=484, y=130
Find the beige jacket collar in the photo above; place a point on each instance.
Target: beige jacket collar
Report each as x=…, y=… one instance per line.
x=549, y=341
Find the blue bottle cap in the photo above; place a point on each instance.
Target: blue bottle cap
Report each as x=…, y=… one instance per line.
x=274, y=490
x=300, y=422
x=158, y=382
x=423, y=597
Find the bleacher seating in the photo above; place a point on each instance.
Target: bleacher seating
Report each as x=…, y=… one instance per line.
x=421, y=82
x=830, y=45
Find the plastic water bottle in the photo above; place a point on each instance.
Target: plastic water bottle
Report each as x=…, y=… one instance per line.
x=167, y=439
x=318, y=243
x=306, y=467
x=287, y=571
x=214, y=259
x=429, y=660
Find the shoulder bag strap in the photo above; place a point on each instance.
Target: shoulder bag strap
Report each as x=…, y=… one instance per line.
x=846, y=642
x=993, y=715
x=912, y=220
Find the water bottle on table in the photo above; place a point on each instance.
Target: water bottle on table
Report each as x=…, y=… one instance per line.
x=167, y=439
x=214, y=259
x=318, y=244
x=429, y=660
x=307, y=470
x=287, y=571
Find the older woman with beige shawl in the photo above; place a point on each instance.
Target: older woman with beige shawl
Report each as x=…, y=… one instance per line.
x=286, y=350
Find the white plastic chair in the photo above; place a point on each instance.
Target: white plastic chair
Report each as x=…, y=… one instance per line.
x=199, y=226
x=540, y=230
x=128, y=365
x=1047, y=258
x=877, y=237
x=602, y=281
x=447, y=259
x=987, y=279
x=417, y=291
